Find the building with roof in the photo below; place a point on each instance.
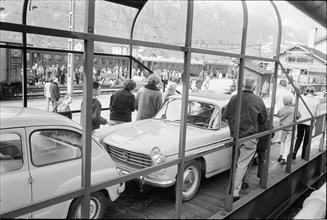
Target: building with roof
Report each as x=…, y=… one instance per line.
x=305, y=64
x=261, y=75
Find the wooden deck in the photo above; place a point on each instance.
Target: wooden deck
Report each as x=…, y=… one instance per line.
x=159, y=203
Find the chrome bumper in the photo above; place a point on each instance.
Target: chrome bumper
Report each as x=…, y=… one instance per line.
x=150, y=181
x=121, y=188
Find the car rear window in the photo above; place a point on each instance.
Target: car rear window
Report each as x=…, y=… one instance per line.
x=54, y=146
x=11, y=156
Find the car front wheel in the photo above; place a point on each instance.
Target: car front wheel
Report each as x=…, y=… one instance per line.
x=191, y=179
x=98, y=204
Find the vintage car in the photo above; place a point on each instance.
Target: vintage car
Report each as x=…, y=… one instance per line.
x=41, y=157
x=141, y=144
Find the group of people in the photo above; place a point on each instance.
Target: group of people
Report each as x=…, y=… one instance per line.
x=203, y=81
x=52, y=97
x=43, y=76
x=123, y=102
x=285, y=110
x=254, y=119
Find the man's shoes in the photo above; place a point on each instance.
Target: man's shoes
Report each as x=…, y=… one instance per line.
x=294, y=156
x=280, y=158
x=245, y=186
x=235, y=198
x=283, y=162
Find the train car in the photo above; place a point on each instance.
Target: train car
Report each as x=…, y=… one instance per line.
x=100, y=61
x=171, y=64
x=11, y=66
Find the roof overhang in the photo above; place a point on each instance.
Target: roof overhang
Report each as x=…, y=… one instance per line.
x=138, y=4
x=314, y=9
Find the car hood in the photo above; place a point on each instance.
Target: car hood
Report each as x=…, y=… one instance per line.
x=143, y=135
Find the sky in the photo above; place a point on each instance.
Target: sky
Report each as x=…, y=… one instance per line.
x=290, y=15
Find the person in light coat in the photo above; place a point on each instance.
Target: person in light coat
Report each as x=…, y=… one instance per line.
x=47, y=94
x=148, y=98
x=303, y=130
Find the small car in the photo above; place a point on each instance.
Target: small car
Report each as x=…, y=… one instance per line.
x=41, y=157
x=141, y=144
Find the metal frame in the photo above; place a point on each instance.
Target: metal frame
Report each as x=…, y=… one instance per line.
x=89, y=38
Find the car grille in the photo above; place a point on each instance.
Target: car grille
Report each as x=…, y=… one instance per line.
x=130, y=158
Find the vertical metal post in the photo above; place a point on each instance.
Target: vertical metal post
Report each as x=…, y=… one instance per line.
x=185, y=92
x=70, y=65
x=289, y=157
x=230, y=188
x=24, y=54
x=307, y=148
x=264, y=176
x=87, y=106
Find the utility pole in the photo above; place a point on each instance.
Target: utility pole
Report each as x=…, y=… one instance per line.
x=70, y=65
x=260, y=44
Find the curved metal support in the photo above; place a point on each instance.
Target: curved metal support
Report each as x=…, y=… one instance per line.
x=130, y=46
x=264, y=178
x=185, y=92
x=229, y=196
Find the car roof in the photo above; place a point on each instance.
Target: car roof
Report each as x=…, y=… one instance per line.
x=12, y=116
x=220, y=99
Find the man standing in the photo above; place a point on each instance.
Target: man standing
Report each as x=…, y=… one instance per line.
x=97, y=119
x=77, y=75
x=55, y=93
x=303, y=130
x=122, y=103
x=253, y=113
x=47, y=93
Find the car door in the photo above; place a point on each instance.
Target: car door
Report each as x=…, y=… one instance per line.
x=15, y=188
x=55, y=166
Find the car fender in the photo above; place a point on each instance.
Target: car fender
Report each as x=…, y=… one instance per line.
x=61, y=210
x=96, y=178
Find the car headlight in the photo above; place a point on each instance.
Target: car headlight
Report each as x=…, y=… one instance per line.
x=157, y=155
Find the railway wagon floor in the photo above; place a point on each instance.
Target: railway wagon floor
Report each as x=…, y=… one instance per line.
x=159, y=203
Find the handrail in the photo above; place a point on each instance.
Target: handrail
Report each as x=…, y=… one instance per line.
x=89, y=39
x=70, y=195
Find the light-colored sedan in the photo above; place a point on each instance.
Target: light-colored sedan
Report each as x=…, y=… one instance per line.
x=41, y=157
x=145, y=143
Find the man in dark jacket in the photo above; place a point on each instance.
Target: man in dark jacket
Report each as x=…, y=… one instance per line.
x=122, y=103
x=253, y=113
x=55, y=93
x=97, y=119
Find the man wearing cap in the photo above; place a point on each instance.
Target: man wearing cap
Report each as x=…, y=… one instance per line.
x=303, y=130
x=122, y=103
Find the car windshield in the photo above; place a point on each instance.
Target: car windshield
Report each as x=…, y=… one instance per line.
x=199, y=114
